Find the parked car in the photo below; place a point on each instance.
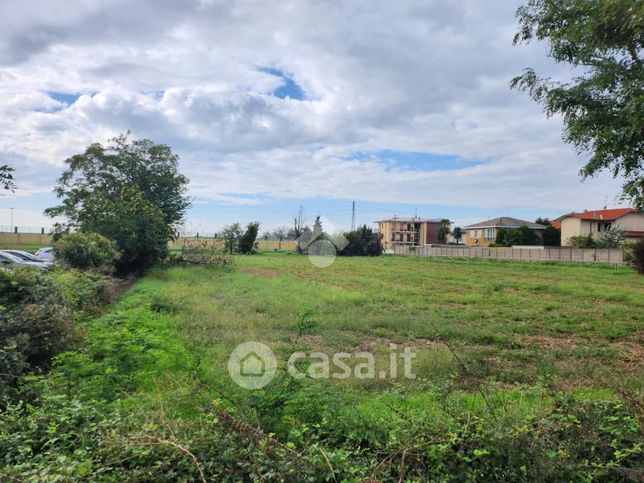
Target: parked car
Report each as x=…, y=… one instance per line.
x=46, y=254
x=7, y=260
x=28, y=257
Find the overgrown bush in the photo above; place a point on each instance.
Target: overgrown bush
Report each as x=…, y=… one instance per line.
x=524, y=235
x=552, y=236
x=582, y=241
x=362, y=242
x=38, y=312
x=636, y=257
x=87, y=251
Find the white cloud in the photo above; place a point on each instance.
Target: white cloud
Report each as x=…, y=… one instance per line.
x=425, y=76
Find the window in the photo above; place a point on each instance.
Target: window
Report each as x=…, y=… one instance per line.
x=607, y=226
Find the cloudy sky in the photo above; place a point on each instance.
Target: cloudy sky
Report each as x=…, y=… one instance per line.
x=402, y=106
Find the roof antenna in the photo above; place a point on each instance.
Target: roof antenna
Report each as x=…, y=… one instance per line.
x=605, y=202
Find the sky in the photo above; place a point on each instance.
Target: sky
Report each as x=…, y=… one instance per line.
x=403, y=107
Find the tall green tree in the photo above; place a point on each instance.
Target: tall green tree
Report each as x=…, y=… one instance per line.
x=603, y=106
x=443, y=231
x=231, y=235
x=6, y=178
x=457, y=233
x=129, y=191
x=247, y=242
x=106, y=170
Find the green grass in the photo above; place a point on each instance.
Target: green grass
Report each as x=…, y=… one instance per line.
x=511, y=323
x=498, y=345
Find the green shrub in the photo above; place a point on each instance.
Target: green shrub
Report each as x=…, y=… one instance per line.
x=362, y=242
x=582, y=241
x=636, y=257
x=87, y=251
x=38, y=312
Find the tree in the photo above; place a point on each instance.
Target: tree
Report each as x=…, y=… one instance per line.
x=551, y=236
x=107, y=170
x=361, y=242
x=136, y=225
x=129, y=191
x=542, y=221
x=457, y=233
x=247, y=242
x=231, y=235
x=523, y=235
x=6, y=178
x=636, y=257
x=298, y=227
x=613, y=238
x=443, y=231
x=603, y=107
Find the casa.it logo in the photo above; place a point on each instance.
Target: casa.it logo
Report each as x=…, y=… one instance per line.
x=252, y=365
x=322, y=243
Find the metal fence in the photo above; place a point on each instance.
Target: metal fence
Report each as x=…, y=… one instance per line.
x=536, y=254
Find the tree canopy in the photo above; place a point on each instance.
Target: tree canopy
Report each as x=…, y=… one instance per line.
x=128, y=191
x=6, y=178
x=603, y=106
x=106, y=170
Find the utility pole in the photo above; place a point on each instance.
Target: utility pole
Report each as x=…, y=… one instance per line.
x=353, y=217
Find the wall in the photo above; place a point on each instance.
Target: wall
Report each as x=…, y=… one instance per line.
x=15, y=239
x=543, y=254
x=631, y=222
x=569, y=227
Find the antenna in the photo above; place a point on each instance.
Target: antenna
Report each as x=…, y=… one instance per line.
x=353, y=217
x=605, y=202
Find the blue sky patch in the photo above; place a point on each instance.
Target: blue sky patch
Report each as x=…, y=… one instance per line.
x=289, y=88
x=416, y=161
x=63, y=97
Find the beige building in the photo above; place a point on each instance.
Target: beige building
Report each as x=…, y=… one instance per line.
x=408, y=231
x=596, y=222
x=483, y=234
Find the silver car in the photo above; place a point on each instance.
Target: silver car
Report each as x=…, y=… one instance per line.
x=46, y=254
x=28, y=257
x=7, y=261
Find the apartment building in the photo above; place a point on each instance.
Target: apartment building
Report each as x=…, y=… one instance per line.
x=408, y=231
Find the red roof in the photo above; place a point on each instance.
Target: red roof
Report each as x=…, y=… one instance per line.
x=612, y=214
x=556, y=224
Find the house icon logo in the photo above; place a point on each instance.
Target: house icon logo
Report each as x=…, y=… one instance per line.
x=252, y=365
x=322, y=243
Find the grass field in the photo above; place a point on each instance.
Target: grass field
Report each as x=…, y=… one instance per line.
x=502, y=348
x=511, y=324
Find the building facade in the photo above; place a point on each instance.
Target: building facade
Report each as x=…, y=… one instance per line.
x=596, y=222
x=483, y=234
x=408, y=231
